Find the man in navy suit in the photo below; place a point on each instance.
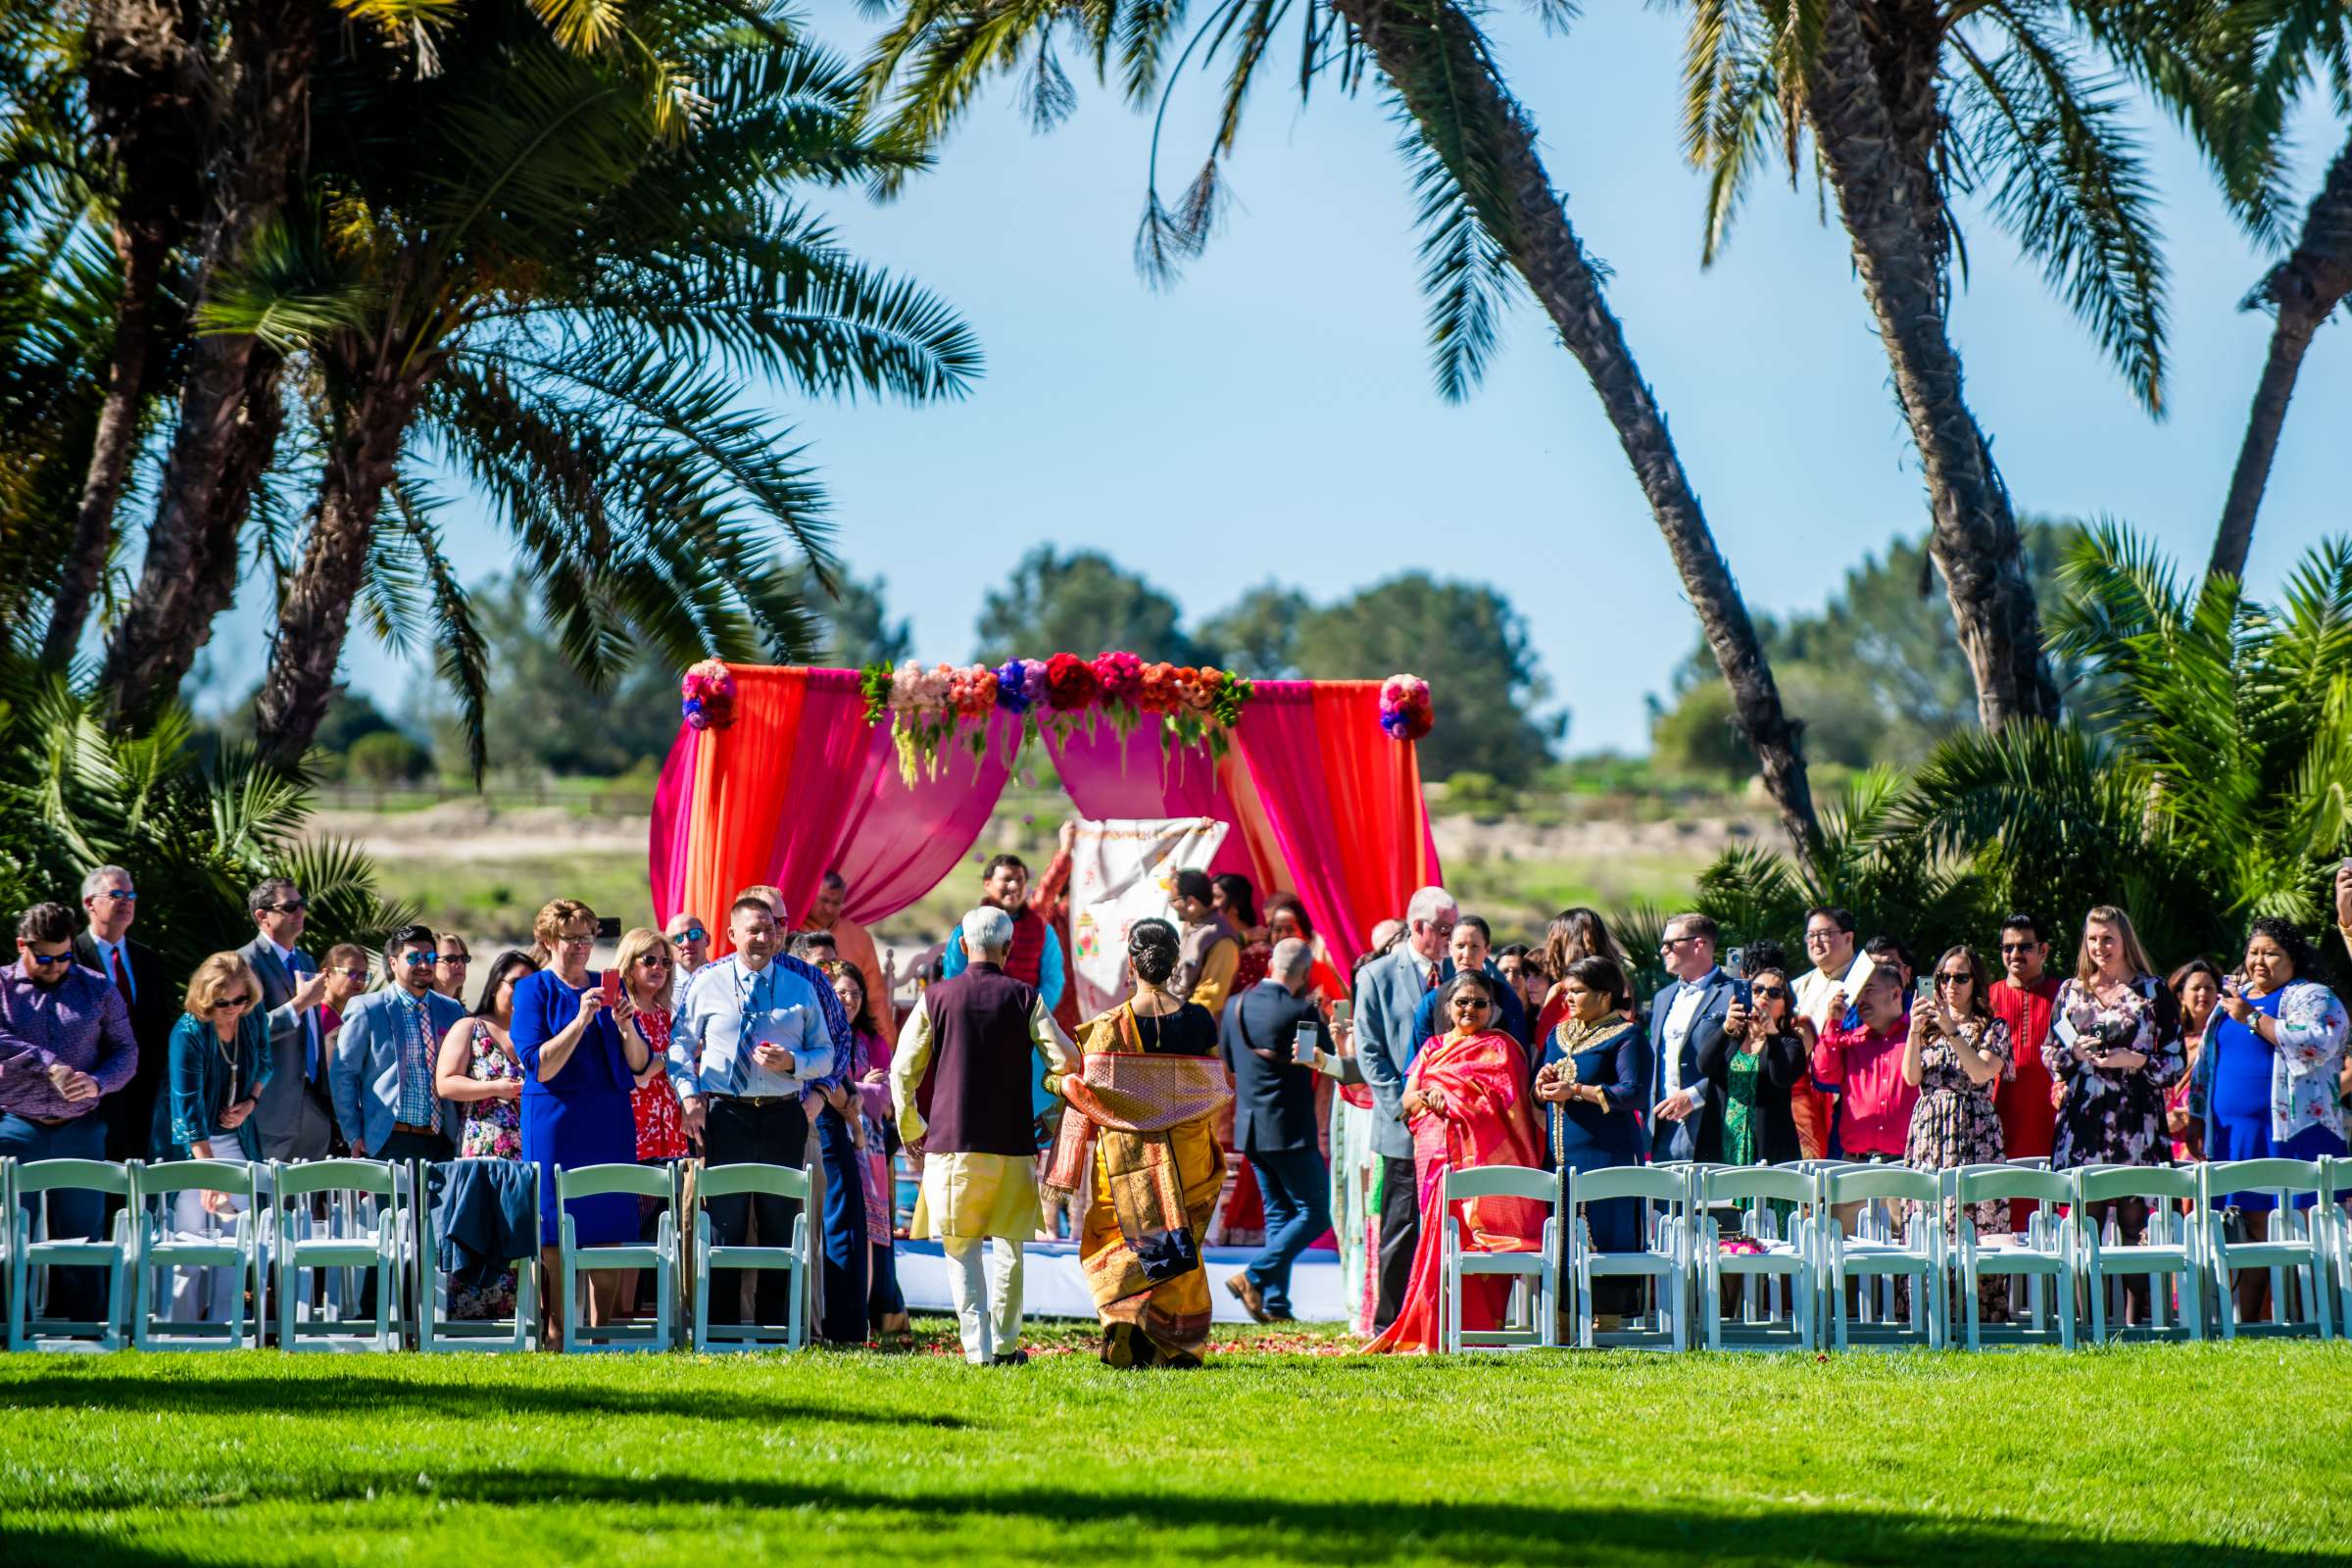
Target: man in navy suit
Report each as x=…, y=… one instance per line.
x=1687, y=1043
x=1387, y=993
x=1274, y=1122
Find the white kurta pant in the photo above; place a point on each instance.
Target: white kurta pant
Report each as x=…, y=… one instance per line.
x=998, y=1330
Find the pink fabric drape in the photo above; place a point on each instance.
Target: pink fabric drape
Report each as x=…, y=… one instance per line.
x=673, y=825
x=1113, y=776
x=906, y=838
x=1343, y=802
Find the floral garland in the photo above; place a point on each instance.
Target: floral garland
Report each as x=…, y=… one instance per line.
x=707, y=696
x=929, y=706
x=1405, y=709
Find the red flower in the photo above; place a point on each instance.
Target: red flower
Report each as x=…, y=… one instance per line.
x=1069, y=682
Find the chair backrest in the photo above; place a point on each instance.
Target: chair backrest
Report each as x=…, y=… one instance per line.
x=1501, y=1180
x=234, y=1176
x=1984, y=1184
x=727, y=1181
x=2100, y=1184
x=593, y=1181
x=373, y=1176
x=1665, y=1185
x=2225, y=1176
x=75, y=1175
x=1864, y=1184
x=1750, y=1184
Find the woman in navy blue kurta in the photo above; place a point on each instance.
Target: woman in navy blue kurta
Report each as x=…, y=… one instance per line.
x=578, y=1079
x=1595, y=1074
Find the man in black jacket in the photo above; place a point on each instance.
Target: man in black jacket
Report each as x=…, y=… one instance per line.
x=137, y=971
x=1274, y=1122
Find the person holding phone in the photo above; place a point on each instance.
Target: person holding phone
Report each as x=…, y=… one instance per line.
x=2267, y=1076
x=1274, y=1124
x=1864, y=1062
x=579, y=1072
x=1759, y=1075
x=386, y=1062
x=2114, y=1049
x=1956, y=1055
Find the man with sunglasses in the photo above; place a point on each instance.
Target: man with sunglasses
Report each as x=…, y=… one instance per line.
x=1688, y=1049
x=2022, y=998
x=111, y=902
x=65, y=1041
x=296, y=1117
x=689, y=941
x=382, y=1075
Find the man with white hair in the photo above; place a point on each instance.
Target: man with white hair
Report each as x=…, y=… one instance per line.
x=112, y=903
x=1274, y=1121
x=1387, y=993
x=961, y=1081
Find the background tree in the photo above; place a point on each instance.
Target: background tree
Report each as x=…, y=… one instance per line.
x=1083, y=602
x=1258, y=633
x=1489, y=213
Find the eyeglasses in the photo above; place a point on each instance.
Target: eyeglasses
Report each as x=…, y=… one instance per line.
x=584, y=939
x=1769, y=992
x=2019, y=947
x=1823, y=937
x=44, y=959
x=240, y=999
x=119, y=894
x=693, y=933
x=290, y=906
x=418, y=960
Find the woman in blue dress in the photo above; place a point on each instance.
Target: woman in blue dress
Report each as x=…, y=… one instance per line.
x=1596, y=1072
x=2266, y=1075
x=579, y=1065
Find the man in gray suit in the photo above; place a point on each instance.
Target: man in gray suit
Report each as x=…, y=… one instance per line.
x=1387, y=992
x=385, y=1055
x=294, y=1116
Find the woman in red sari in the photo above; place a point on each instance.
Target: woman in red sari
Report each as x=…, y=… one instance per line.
x=1466, y=1102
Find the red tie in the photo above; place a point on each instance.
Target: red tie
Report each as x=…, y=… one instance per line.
x=122, y=977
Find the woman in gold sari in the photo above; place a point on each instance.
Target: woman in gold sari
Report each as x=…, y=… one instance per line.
x=1137, y=1146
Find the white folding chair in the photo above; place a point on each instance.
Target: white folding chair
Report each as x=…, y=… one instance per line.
x=2297, y=1245
x=1775, y=1267
x=33, y=1252
x=2042, y=1258
x=661, y=1256
x=1664, y=1258
x=162, y=1247
x=1537, y=1270
x=735, y=1181
x=2171, y=1251
x=364, y=1234
x=1917, y=1254
x=436, y=1330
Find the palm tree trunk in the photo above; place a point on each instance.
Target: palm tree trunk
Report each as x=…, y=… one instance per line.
x=1432, y=56
x=1972, y=533
x=169, y=621
x=2305, y=288
x=315, y=615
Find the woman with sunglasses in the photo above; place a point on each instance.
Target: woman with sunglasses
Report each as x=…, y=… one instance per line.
x=1465, y=1101
x=216, y=1061
x=1956, y=1054
x=1757, y=1078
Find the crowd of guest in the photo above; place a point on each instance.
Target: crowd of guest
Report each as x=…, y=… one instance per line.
x=1240, y=1049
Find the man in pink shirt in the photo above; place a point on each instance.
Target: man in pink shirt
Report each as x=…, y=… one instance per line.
x=1865, y=1064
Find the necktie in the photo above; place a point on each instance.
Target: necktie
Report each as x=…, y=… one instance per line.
x=121, y=973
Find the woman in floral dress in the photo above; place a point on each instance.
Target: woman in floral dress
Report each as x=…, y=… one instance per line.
x=2114, y=1049
x=1956, y=1055
x=478, y=1071
x=868, y=1079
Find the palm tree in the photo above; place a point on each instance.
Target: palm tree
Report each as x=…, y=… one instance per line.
x=517, y=263
x=1489, y=215
x=1910, y=104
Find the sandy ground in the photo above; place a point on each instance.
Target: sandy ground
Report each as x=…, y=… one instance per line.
x=470, y=830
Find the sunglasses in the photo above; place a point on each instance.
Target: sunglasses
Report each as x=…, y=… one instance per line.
x=1954, y=979
x=418, y=960
x=654, y=961
x=238, y=1001
x=456, y=960
x=121, y=895
x=355, y=976
x=693, y=933
x=290, y=906
x=2019, y=947
x=1771, y=993
x=1474, y=1003
x=44, y=959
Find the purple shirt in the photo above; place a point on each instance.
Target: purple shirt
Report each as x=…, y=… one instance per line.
x=80, y=1021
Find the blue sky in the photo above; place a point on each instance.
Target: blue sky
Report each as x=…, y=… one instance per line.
x=1273, y=416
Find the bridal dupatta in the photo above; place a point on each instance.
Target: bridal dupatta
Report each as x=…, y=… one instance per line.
x=1138, y=1139
x=1487, y=1122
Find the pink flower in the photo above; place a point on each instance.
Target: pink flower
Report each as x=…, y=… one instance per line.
x=1118, y=675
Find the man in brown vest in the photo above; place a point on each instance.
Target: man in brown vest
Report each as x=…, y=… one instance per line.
x=1209, y=949
x=976, y=1035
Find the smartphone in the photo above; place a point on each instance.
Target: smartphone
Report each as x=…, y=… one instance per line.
x=1304, y=1042
x=1735, y=963
x=1925, y=990
x=611, y=984
x=608, y=928
x=1342, y=1011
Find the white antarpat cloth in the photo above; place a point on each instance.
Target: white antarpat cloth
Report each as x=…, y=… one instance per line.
x=1121, y=871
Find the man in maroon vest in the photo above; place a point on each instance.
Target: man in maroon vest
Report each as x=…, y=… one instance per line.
x=978, y=1036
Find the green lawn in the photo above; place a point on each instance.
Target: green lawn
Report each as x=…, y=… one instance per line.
x=2121, y=1458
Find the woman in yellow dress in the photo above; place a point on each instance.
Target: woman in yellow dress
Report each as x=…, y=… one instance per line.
x=1138, y=1144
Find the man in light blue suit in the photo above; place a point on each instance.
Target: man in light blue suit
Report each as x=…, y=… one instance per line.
x=1687, y=1045
x=1387, y=993
x=387, y=1053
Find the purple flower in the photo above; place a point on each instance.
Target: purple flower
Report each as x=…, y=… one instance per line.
x=1033, y=679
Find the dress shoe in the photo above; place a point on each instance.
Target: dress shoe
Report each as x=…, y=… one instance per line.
x=1014, y=1358
x=1245, y=1292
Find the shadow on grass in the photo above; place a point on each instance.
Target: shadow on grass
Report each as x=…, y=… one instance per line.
x=1335, y=1531
x=362, y=1393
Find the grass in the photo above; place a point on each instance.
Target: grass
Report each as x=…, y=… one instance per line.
x=2116, y=1459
